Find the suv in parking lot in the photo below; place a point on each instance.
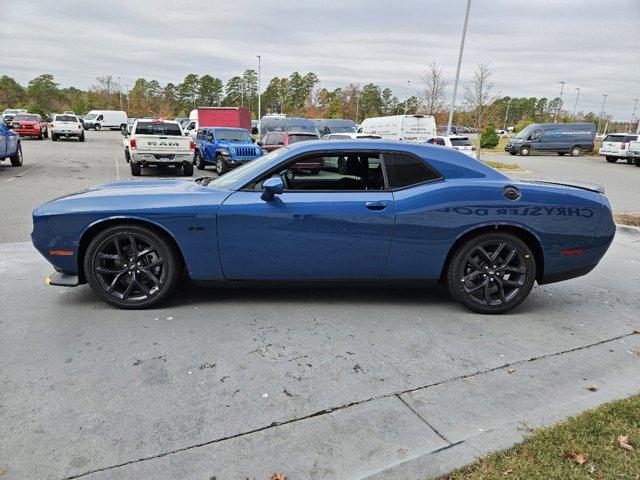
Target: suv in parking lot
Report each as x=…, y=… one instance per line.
x=227, y=148
x=10, y=144
x=615, y=146
x=455, y=142
x=274, y=140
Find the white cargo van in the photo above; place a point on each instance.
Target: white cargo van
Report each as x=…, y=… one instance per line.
x=110, y=119
x=409, y=128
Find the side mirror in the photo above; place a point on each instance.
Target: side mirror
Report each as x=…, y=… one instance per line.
x=272, y=187
x=124, y=132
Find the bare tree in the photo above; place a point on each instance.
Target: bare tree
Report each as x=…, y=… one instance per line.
x=478, y=97
x=433, y=93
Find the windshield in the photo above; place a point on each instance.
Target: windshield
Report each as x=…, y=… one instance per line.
x=239, y=135
x=90, y=116
x=10, y=112
x=66, y=118
x=158, y=128
x=342, y=129
x=27, y=118
x=246, y=170
x=293, y=138
x=526, y=132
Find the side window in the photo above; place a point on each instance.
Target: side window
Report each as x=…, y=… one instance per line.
x=278, y=139
x=536, y=135
x=100, y=118
x=405, y=170
x=440, y=141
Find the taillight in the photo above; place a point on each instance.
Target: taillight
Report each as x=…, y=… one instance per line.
x=192, y=145
x=133, y=143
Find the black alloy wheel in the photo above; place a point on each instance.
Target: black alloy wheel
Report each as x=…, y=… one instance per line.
x=492, y=273
x=131, y=266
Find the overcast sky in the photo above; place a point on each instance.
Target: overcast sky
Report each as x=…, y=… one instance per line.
x=532, y=45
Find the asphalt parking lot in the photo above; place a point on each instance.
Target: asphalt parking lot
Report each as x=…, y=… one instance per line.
x=369, y=382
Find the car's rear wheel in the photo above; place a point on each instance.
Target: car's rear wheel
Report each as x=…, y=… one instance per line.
x=524, y=151
x=197, y=159
x=576, y=151
x=46, y=133
x=612, y=159
x=630, y=160
x=40, y=136
x=81, y=137
x=131, y=266
x=187, y=169
x=135, y=169
x=561, y=153
x=636, y=161
x=16, y=159
x=492, y=272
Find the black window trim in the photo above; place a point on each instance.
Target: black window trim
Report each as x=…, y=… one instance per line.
x=438, y=177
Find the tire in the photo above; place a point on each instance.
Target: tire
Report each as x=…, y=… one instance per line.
x=576, y=151
x=120, y=276
x=221, y=167
x=97, y=127
x=46, y=133
x=466, y=279
x=525, y=151
x=54, y=137
x=127, y=155
x=636, y=161
x=187, y=169
x=612, y=159
x=630, y=160
x=17, y=160
x=40, y=136
x=561, y=153
x=197, y=159
x=81, y=137
x=513, y=153
x=135, y=169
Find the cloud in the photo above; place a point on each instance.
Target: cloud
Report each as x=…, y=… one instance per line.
x=531, y=45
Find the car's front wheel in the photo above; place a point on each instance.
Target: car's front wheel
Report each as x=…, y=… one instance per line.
x=131, y=266
x=221, y=167
x=492, y=272
x=524, y=151
x=612, y=159
x=187, y=169
x=16, y=159
x=81, y=137
x=97, y=127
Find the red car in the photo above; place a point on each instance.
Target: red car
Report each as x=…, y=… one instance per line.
x=274, y=140
x=30, y=125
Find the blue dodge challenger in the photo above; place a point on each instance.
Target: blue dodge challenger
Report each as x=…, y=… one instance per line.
x=378, y=210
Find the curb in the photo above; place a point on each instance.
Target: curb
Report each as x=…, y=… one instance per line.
x=628, y=229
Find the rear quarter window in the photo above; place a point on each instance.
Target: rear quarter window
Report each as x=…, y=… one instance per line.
x=405, y=170
x=461, y=142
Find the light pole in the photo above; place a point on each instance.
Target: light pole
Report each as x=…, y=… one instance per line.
x=601, y=112
x=120, y=92
x=406, y=102
x=575, y=105
x=633, y=115
x=259, y=79
x=504, y=126
x=555, y=118
x=357, y=103
x=127, y=85
x=455, y=84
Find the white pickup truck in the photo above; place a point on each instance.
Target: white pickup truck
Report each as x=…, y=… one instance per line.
x=633, y=152
x=158, y=143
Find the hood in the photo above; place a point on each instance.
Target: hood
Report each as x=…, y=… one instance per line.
x=135, y=195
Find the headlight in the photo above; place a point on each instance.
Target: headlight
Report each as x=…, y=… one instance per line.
x=232, y=150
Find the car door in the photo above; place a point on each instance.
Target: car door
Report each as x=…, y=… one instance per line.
x=313, y=230
x=535, y=140
x=209, y=146
x=4, y=138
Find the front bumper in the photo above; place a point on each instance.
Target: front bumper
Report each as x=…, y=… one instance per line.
x=633, y=153
x=61, y=279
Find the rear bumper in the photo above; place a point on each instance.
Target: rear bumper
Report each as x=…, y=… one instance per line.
x=150, y=159
x=68, y=133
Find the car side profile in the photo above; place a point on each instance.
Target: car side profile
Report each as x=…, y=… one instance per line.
x=397, y=211
x=226, y=148
x=10, y=146
x=560, y=138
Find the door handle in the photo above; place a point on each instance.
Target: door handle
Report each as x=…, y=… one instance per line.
x=376, y=206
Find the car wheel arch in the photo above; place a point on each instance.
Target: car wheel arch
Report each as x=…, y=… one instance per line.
x=522, y=232
x=95, y=228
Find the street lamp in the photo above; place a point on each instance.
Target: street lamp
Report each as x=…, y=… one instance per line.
x=406, y=102
x=455, y=84
x=576, y=104
x=601, y=112
x=555, y=118
x=259, y=73
x=120, y=92
x=633, y=115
